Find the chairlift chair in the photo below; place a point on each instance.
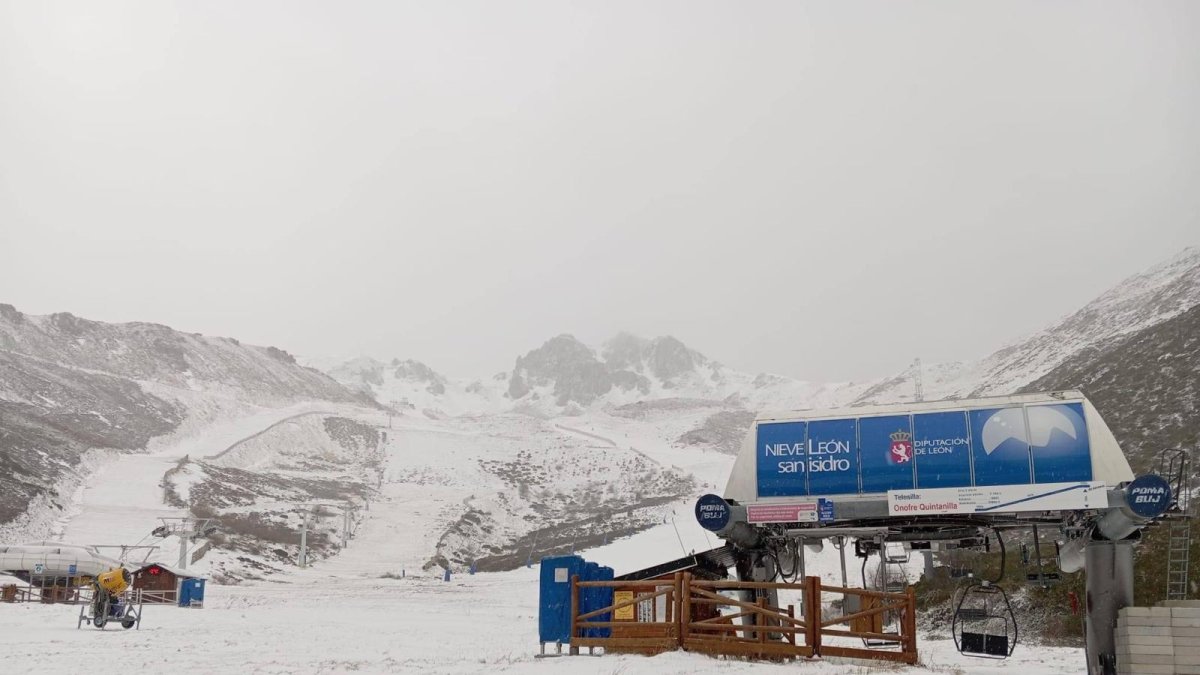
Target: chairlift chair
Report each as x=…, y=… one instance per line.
x=896, y=553
x=959, y=567
x=1039, y=576
x=891, y=619
x=984, y=624
x=962, y=558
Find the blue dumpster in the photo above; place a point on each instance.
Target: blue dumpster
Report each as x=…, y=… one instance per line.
x=604, y=598
x=191, y=593
x=588, y=596
x=554, y=599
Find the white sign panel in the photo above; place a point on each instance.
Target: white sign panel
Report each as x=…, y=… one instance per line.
x=802, y=512
x=998, y=499
x=38, y=568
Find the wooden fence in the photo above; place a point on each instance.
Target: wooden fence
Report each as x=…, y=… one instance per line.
x=707, y=617
x=66, y=595
x=76, y=595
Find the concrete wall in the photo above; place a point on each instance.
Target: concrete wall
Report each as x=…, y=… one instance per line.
x=1159, y=640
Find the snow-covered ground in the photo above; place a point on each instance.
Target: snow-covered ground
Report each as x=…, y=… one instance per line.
x=339, y=616
x=343, y=614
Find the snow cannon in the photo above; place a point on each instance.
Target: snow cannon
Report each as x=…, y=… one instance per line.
x=108, y=603
x=114, y=581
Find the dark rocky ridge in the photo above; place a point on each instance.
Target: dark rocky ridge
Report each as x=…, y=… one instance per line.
x=148, y=351
x=723, y=431
x=1146, y=386
x=69, y=385
x=1138, y=302
x=50, y=415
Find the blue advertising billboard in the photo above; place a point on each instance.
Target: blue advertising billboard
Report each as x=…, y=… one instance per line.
x=832, y=457
x=781, y=457
x=942, y=449
x=1058, y=437
x=887, y=458
x=1014, y=445
x=1000, y=446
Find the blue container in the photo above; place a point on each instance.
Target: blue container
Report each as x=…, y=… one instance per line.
x=191, y=591
x=554, y=599
x=604, y=598
x=588, y=596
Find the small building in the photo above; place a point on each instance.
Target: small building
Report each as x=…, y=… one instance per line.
x=160, y=583
x=710, y=566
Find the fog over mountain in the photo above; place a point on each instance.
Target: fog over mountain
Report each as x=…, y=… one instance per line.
x=823, y=191
x=72, y=387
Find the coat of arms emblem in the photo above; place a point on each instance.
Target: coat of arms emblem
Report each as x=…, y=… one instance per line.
x=901, y=452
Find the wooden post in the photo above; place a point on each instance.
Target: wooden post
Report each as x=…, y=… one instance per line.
x=574, y=611
x=685, y=608
x=672, y=602
x=812, y=614
x=910, y=613
x=762, y=634
x=792, y=615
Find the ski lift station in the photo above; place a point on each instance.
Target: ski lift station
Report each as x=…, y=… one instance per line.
x=883, y=481
x=944, y=474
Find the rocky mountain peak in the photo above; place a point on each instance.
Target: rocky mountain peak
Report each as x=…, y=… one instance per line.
x=669, y=358
x=626, y=362
x=665, y=357
x=415, y=371
x=626, y=351
x=571, y=366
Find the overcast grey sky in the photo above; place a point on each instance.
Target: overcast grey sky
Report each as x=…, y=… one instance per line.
x=824, y=190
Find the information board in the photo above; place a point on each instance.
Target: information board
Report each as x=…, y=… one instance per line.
x=1029, y=444
x=998, y=499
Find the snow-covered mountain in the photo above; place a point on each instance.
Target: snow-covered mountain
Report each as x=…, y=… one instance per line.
x=1145, y=383
x=573, y=445
x=565, y=377
x=156, y=353
x=411, y=386
x=69, y=386
x=566, y=373
x=1141, y=301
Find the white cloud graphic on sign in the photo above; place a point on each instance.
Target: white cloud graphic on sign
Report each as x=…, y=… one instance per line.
x=1043, y=420
x=1009, y=423
x=1005, y=424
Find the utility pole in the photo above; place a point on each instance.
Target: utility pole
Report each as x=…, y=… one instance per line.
x=184, y=542
x=186, y=529
x=304, y=541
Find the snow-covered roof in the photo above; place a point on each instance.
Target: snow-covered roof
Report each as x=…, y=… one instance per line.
x=173, y=570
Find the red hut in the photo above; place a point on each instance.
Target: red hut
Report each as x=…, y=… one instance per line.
x=159, y=583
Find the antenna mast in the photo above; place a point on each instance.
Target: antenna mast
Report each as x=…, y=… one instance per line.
x=918, y=385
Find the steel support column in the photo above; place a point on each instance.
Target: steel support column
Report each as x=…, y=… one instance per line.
x=1109, y=569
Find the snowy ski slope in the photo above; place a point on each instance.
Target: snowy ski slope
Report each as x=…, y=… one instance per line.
x=342, y=614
